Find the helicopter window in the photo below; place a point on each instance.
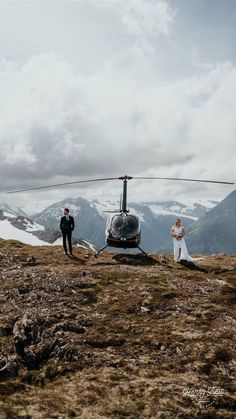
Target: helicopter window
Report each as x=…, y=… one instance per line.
x=127, y=225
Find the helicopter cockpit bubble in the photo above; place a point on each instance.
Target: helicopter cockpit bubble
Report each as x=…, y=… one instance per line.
x=125, y=226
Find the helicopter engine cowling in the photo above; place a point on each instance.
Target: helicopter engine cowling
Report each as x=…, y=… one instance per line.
x=124, y=231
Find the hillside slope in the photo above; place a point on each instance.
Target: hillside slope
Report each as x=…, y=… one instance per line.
x=115, y=337
x=18, y=227
x=215, y=232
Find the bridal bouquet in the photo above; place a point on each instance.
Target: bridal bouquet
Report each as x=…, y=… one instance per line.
x=178, y=236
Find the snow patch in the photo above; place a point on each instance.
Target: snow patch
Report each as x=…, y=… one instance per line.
x=90, y=245
x=157, y=210
x=30, y=227
x=8, y=214
x=9, y=232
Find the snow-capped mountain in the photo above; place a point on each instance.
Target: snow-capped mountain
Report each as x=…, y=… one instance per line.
x=215, y=232
x=156, y=218
x=193, y=211
x=91, y=218
x=17, y=226
x=89, y=224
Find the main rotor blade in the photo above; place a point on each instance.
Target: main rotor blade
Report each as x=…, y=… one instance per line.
x=113, y=212
x=62, y=184
x=183, y=179
x=117, y=178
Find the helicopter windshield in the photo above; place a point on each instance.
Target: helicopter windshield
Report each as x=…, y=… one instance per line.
x=124, y=226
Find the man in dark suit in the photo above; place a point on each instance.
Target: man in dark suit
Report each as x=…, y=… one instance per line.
x=67, y=225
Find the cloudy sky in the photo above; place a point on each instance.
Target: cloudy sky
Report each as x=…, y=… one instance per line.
x=96, y=88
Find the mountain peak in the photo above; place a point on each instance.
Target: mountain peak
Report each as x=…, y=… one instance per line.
x=216, y=231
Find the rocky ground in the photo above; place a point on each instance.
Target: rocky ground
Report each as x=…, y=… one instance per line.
x=117, y=337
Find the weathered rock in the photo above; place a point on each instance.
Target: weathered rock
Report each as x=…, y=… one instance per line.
x=8, y=367
x=31, y=260
x=26, y=331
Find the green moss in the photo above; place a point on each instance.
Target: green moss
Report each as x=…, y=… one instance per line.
x=169, y=295
x=222, y=354
x=11, y=387
x=140, y=405
x=89, y=297
x=16, y=243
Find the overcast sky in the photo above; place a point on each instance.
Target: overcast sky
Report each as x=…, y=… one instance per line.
x=96, y=88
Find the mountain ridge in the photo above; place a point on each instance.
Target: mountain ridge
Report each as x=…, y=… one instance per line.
x=22, y=228
x=156, y=219
x=210, y=227
x=216, y=231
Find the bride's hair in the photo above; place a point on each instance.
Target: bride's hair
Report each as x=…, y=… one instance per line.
x=178, y=220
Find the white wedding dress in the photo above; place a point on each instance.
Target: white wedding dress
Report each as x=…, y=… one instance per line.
x=180, y=244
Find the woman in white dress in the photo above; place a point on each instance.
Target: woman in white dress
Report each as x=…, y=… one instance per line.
x=180, y=248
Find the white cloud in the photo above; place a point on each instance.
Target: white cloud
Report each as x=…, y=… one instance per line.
x=143, y=18
x=60, y=123
x=124, y=116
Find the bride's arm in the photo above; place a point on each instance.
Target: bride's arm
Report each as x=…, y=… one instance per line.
x=172, y=232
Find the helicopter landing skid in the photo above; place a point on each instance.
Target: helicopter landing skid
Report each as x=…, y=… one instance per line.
x=143, y=251
x=100, y=251
x=103, y=248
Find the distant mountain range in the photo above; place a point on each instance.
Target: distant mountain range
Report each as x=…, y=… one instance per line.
x=210, y=226
x=156, y=219
x=22, y=228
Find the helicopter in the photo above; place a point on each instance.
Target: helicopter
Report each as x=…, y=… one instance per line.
x=124, y=230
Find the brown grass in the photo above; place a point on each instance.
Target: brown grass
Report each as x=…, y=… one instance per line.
x=114, y=339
